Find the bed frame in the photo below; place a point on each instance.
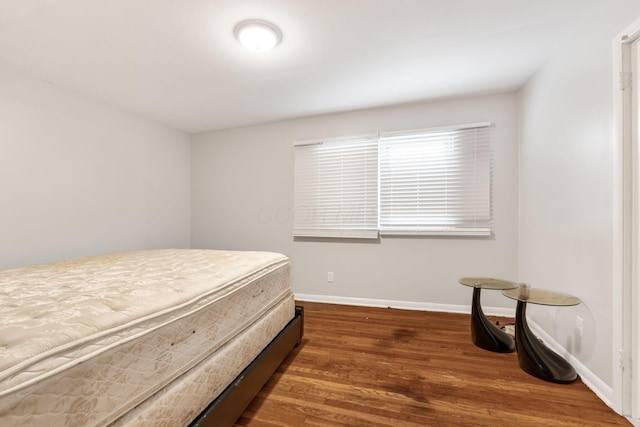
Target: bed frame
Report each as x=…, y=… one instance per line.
x=229, y=406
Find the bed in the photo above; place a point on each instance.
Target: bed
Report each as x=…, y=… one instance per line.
x=143, y=338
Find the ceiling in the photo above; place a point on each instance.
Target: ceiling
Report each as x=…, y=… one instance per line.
x=177, y=61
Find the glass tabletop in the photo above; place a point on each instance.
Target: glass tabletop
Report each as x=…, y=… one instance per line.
x=487, y=283
x=542, y=297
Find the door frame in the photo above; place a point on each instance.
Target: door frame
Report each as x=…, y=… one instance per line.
x=626, y=195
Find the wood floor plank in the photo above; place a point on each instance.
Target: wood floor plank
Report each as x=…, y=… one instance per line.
x=374, y=367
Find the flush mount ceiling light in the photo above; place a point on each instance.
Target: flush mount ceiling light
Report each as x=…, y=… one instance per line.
x=257, y=35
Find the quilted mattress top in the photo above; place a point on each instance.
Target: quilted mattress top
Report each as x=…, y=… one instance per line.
x=51, y=308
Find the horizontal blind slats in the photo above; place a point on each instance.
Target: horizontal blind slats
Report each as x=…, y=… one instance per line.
x=426, y=182
x=336, y=189
x=435, y=182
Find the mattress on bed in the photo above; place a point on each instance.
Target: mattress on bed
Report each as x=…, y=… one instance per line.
x=85, y=341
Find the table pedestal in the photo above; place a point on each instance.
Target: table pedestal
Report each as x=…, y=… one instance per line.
x=537, y=359
x=485, y=334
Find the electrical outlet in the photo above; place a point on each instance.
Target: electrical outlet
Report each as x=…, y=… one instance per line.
x=330, y=276
x=580, y=326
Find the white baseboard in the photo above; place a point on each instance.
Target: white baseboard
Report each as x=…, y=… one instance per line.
x=600, y=388
x=404, y=305
x=635, y=423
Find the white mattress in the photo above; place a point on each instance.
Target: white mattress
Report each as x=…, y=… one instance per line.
x=85, y=341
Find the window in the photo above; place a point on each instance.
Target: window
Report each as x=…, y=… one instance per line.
x=436, y=182
x=336, y=188
x=427, y=182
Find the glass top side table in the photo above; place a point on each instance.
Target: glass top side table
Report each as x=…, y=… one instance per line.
x=542, y=297
x=485, y=334
x=534, y=357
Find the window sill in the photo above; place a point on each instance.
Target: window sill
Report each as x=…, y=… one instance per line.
x=476, y=232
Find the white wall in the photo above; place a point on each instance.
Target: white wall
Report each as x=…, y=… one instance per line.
x=566, y=173
x=80, y=178
x=242, y=193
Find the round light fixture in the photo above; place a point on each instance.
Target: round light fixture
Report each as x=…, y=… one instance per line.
x=257, y=35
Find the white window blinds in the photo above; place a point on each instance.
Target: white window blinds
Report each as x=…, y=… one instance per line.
x=436, y=181
x=336, y=188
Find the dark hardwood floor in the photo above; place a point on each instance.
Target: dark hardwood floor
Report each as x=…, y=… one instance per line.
x=360, y=366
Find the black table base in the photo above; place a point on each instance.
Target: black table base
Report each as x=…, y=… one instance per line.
x=537, y=359
x=485, y=334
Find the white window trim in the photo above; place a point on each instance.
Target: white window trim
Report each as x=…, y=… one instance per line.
x=480, y=232
x=318, y=141
x=437, y=128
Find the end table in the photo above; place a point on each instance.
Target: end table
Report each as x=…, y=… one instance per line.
x=534, y=357
x=485, y=334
